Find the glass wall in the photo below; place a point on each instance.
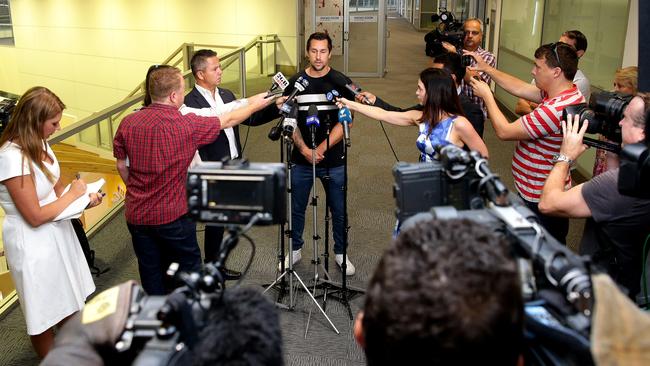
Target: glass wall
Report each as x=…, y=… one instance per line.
x=527, y=24
x=604, y=23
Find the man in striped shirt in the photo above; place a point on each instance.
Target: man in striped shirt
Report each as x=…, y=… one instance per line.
x=538, y=133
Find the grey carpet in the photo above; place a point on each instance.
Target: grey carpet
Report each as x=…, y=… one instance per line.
x=371, y=217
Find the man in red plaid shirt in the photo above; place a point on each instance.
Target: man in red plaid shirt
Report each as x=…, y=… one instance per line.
x=160, y=143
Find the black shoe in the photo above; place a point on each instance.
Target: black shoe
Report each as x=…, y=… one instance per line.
x=229, y=274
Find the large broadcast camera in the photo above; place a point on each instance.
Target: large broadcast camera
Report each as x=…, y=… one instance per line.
x=448, y=30
x=604, y=112
x=162, y=330
x=556, y=284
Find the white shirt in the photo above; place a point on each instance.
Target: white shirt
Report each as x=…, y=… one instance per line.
x=217, y=102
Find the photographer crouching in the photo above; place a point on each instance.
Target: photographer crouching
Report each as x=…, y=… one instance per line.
x=617, y=225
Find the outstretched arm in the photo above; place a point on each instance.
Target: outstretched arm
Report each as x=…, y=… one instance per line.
x=407, y=118
x=511, y=84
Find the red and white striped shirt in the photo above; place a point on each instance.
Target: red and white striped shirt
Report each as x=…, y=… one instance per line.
x=531, y=162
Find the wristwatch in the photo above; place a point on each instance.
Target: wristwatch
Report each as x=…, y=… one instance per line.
x=561, y=157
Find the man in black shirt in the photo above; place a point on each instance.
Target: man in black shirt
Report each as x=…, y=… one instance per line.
x=328, y=155
x=617, y=225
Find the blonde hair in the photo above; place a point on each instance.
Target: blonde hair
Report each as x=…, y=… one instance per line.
x=25, y=127
x=629, y=77
x=163, y=80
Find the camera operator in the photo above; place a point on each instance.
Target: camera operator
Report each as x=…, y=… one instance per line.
x=473, y=28
x=538, y=133
x=243, y=328
x=446, y=292
x=617, y=225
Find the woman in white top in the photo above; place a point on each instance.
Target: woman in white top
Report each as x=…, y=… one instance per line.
x=46, y=261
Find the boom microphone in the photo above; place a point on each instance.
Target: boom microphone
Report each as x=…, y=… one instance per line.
x=298, y=87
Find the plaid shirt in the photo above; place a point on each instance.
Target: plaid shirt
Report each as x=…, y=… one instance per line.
x=466, y=89
x=160, y=143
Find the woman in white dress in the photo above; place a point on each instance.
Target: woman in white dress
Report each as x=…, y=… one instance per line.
x=46, y=261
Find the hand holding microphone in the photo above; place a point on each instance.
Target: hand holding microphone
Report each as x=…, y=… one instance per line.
x=298, y=86
x=279, y=84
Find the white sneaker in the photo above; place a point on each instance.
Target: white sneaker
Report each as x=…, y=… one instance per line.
x=349, y=270
x=297, y=256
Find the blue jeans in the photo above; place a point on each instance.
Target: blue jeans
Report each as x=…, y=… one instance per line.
x=157, y=246
x=301, y=183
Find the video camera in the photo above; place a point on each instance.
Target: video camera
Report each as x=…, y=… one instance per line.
x=604, y=112
x=6, y=107
x=161, y=330
x=556, y=283
x=448, y=30
x=233, y=192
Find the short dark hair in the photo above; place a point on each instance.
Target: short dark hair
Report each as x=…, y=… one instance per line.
x=451, y=62
x=579, y=37
x=242, y=329
x=445, y=292
x=199, y=59
x=320, y=36
x=565, y=53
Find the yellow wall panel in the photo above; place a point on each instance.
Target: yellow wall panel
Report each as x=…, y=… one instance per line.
x=93, y=52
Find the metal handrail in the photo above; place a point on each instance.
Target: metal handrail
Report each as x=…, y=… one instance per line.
x=137, y=95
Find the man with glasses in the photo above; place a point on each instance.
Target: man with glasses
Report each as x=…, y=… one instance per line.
x=538, y=133
x=473, y=28
x=578, y=40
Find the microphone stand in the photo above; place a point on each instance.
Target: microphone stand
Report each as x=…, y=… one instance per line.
x=288, y=141
x=345, y=293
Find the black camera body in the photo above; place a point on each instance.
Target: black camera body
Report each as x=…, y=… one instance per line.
x=420, y=186
x=604, y=112
x=448, y=30
x=556, y=284
x=235, y=191
x=6, y=107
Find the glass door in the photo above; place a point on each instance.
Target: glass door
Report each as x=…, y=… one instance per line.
x=358, y=32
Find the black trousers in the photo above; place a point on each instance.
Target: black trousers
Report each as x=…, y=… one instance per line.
x=212, y=242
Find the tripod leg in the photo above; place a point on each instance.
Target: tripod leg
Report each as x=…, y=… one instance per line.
x=316, y=303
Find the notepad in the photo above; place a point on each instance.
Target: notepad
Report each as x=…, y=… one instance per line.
x=74, y=210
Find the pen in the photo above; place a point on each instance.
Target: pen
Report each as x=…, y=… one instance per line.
x=77, y=176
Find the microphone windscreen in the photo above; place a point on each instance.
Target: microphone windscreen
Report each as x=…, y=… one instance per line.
x=344, y=115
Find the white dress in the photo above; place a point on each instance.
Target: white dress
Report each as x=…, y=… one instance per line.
x=47, y=264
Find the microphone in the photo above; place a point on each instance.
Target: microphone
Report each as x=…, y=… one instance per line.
x=345, y=118
x=275, y=132
x=356, y=90
x=331, y=96
x=312, y=116
x=298, y=86
x=290, y=122
x=279, y=84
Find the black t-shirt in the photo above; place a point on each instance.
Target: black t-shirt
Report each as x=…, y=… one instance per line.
x=315, y=93
x=617, y=229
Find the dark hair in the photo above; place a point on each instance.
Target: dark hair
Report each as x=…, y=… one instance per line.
x=445, y=292
x=576, y=35
x=441, y=96
x=199, y=59
x=451, y=62
x=243, y=329
x=320, y=36
x=562, y=52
